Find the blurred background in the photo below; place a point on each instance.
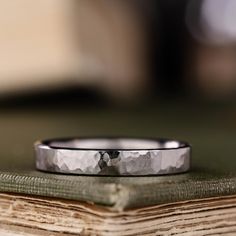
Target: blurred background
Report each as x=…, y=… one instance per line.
x=114, y=52
x=118, y=67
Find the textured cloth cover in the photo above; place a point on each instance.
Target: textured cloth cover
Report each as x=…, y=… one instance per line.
x=210, y=130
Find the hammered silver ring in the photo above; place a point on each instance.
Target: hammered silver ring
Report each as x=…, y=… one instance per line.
x=113, y=156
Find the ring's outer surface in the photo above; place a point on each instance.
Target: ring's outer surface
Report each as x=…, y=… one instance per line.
x=113, y=156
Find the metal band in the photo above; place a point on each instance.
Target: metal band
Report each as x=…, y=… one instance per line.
x=113, y=156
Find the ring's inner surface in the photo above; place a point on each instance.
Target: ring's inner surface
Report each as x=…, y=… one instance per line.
x=119, y=144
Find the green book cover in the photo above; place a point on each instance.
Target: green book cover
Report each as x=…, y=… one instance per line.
x=210, y=130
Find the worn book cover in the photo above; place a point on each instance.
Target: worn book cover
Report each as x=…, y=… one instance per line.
x=199, y=201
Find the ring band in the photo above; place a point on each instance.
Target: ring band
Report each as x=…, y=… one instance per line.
x=113, y=156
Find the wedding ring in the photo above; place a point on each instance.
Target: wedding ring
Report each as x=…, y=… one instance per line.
x=113, y=156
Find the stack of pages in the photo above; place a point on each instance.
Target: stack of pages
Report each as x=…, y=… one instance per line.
x=200, y=202
x=24, y=215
